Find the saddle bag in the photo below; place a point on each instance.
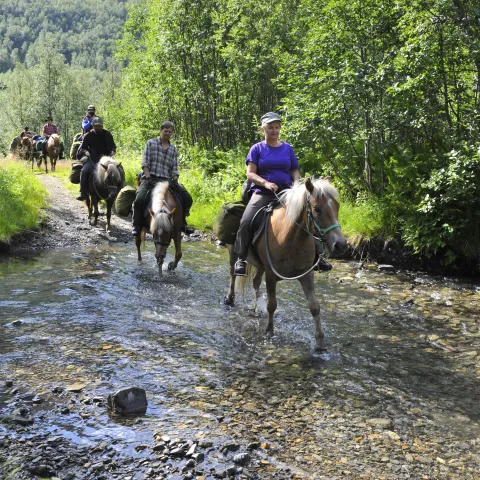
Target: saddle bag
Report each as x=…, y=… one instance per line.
x=74, y=176
x=124, y=201
x=227, y=222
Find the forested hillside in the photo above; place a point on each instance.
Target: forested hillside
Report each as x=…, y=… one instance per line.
x=83, y=31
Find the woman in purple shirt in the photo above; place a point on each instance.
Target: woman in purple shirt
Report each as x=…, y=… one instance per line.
x=271, y=166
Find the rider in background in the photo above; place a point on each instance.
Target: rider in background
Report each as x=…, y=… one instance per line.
x=49, y=129
x=160, y=164
x=87, y=119
x=96, y=144
x=26, y=132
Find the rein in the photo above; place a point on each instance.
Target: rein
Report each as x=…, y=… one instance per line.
x=322, y=239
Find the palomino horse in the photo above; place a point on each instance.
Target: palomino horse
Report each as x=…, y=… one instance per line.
x=53, y=151
x=285, y=250
x=103, y=184
x=165, y=222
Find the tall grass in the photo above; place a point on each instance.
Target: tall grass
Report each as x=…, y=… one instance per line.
x=21, y=198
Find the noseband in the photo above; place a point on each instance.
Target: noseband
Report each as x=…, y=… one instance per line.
x=311, y=221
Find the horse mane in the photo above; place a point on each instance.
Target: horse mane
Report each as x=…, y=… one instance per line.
x=56, y=138
x=161, y=218
x=112, y=169
x=294, y=197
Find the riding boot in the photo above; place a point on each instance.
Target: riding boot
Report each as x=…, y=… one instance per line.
x=186, y=229
x=61, y=157
x=83, y=186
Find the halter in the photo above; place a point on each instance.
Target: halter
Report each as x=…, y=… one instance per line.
x=310, y=219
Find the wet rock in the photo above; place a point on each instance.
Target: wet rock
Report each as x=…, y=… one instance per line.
x=41, y=470
x=198, y=457
x=253, y=445
x=17, y=323
x=230, y=447
x=128, y=401
x=385, y=423
x=241, y=458
x=8, y=383
x=386, y=268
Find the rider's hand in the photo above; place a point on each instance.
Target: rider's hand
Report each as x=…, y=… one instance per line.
x=271, y=186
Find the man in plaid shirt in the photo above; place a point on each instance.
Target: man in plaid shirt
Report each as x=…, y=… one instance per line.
x=159, y=164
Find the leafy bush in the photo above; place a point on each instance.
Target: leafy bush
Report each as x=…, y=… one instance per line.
x=447, y=218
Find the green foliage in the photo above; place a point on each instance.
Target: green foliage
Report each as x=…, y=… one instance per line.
x=21, y=198
x=367, y=216
x=447, y=218
x=83, y=31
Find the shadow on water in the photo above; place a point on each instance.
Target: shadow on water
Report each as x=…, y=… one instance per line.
x=98, y=316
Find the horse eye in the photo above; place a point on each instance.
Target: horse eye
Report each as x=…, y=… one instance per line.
x=318, y=210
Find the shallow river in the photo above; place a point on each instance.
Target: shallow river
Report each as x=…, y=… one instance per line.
x=403, y=348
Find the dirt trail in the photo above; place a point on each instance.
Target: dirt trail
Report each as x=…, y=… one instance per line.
x=66, y=223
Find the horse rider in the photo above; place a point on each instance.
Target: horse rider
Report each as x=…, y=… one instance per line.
x=49, y=129
x=272, y=166
x=160, y=164
x=96, y=143
x=87, y=119
x=26, y=132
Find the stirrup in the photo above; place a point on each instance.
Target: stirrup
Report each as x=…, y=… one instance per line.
x=135, y=230
x=240, y=268
x=323, y=266
x=82, y=197
x=187, y=230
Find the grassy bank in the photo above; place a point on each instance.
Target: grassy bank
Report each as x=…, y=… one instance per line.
x=21, y=198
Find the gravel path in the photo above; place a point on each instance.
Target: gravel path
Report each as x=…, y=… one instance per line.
x=66, y=223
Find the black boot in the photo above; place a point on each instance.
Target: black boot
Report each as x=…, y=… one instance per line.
x=186, y=229
x=240, y=268
x=323, y=265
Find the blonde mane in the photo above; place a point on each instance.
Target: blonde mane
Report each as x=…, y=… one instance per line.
x=295, y=197
x=161, y=218
x=112, y=169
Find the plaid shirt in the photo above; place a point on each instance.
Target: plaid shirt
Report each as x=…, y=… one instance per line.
x=161, y=164
x=49, y=129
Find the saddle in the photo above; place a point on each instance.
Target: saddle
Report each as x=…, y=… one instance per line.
x=148, y=202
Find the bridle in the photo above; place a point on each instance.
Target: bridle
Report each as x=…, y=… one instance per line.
x=310, y=221
x=106, y=185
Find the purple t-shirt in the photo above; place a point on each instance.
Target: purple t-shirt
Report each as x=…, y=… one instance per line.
x=274, y=164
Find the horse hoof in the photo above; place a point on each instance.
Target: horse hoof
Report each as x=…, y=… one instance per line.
x=228, y=301
x=320, y=349
x=171, y=266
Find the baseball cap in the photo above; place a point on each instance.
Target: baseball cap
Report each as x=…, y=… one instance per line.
x=269, y=118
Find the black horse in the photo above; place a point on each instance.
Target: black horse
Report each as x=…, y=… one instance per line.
x=104, y=184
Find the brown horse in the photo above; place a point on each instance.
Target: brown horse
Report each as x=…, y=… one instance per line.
x=53, y=152
x=103, y=184
x=25, y=149
x=165, y=222
x=285, y=250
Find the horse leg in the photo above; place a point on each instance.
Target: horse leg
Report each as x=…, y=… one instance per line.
x=177, y=240
x=257, y=282
x=229, y=299
x=46, y=164
x=309, y=290
x=95, y=211
x=271, y=283
x=138, y=243
x=109, y=214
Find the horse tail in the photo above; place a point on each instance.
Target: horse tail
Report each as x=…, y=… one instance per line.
x=241, y=282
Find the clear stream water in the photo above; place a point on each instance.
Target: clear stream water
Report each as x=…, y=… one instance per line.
x=99, y=317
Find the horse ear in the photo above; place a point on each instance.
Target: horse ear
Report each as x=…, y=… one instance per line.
x=309, y=185
x=172, y=212
x=328, y=179
x=104, y=166
x=151, y=212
